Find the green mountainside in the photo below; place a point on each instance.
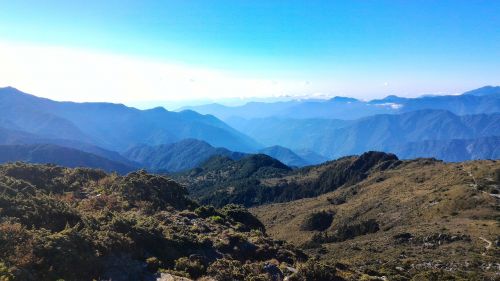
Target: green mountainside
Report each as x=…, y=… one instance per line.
x=260, y=179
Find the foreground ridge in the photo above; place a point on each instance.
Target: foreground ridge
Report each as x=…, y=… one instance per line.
x=83, y=224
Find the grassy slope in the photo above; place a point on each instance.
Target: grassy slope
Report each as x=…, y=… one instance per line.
x=421, y=197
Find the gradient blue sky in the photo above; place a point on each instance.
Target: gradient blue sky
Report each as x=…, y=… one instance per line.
x=364, y=49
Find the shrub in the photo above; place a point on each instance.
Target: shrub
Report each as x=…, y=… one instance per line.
x=217, y=219
x=319, y=221
x=193, y=267
x=157, y=190
x=206, y=211
x=226, y=270
x=240, y=214
x=5, y=273
x=344, y=232
x=350, y=231
x=315, y=271
x=153, y=263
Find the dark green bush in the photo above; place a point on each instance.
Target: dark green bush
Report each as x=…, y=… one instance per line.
x=195, y=268
x=206, y=211
x=227, y=270
x=242, y=215
x=317, y=221
x=315, y=271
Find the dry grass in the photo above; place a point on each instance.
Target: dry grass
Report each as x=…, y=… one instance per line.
x=420, y=197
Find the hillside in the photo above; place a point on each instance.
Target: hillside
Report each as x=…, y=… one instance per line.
x=54, y=154
x=260, y=179
x=222, y=180
x=82, y=224
x=113, y=126
x=422, y=219
x=178, y=156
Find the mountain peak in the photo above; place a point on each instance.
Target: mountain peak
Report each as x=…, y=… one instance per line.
x=484, y=91
x=11, y=91
x=343, y=99
x=157, y=109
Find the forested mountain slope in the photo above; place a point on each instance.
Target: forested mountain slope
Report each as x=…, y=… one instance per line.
x=260, y=179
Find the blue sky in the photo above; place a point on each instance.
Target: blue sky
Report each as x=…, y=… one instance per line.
x=364, y=49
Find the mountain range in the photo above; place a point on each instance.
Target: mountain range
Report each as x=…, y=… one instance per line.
x=64, y=156
x=482, y=100
x=387, y=132
x=298, y=133
x=366, y=215
x=113, y=126
x=454, y=150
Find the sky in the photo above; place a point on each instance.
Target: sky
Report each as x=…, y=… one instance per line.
x=172, y=53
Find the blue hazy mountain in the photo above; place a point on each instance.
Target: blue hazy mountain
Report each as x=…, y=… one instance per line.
x=338, y=107
x=383, y=132
x=454, y=150
x=484, y=91
x=113, y=126
x=297, y=134
x=336, y=138
x=191, y=153
x=161, y=140
x=178, y=156
x=285, y=155
x=482, y=100
x=298, y=158
x=54, y=154
x=12, y=137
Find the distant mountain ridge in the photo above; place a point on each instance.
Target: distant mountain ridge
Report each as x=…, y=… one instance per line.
x=13, y=137
x=482, y=100
x=190, y=153
x=285, y=155
x=452, y=128
x=177, y=156
x=454, y=150
x=385, y=132
x=54, y=154
x=113, y=126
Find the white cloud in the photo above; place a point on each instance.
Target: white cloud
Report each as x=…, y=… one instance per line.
x=80, y=75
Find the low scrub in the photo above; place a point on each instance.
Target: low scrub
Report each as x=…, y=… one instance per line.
x=344, y=232
x=319, y=221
